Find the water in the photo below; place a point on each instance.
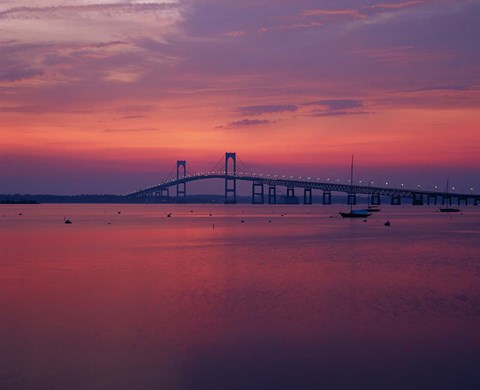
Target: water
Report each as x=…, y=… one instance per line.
x=294, y=297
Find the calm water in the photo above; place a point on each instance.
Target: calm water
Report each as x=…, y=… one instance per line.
x=137, y=300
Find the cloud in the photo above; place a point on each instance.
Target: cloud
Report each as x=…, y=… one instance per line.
x=258, y=110
x=249, y=122
x=234, y=34
x=338, y=113
x=12, y=75
x=395, y=5
x=90, y=21
x=442, y=88
x=337, y=104
x=331, y=12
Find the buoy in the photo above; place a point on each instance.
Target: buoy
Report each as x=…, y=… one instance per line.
x=387, y=223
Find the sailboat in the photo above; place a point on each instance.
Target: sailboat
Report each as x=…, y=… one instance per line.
x=359, y=213
x=448, y=208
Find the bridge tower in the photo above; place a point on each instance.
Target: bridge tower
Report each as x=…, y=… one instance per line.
x=181, y=187
x=230, y=181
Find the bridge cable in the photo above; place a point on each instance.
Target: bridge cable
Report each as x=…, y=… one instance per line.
x=170, y=175
x=191, y=171
x=216, y=166
x=248, y=170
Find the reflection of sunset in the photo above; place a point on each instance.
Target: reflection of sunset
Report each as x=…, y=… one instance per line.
x=136, y=298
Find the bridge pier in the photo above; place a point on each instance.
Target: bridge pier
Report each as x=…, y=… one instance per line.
x=461, y=199
x=230, y=183
x=327, y=197
x=181, y=187
x=417, y=199
x=431, y=199
x=375, y=199
x=476, y=201
x=257, y=196
x=351, y=199
x=272, y=195
x=307, y=196
x=395, y=200
x=290, y=192
x=164, y=195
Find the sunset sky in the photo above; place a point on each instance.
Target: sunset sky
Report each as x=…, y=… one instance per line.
x=103, y=96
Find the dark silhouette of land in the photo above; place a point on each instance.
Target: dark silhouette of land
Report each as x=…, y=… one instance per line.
x=86, y=198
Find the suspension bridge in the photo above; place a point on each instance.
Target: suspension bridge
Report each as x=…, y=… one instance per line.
x=226, y=169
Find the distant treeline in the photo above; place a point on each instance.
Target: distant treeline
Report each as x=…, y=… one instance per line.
x=84, y=198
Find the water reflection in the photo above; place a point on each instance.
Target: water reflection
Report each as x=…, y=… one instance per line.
x=303, y=301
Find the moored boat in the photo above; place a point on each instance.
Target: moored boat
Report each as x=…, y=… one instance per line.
x=359, y=213
x=449, y=209
x=363, y=213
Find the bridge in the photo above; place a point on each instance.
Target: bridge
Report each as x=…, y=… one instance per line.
x=230, y=175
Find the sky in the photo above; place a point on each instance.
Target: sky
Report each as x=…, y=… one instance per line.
x=104, y=96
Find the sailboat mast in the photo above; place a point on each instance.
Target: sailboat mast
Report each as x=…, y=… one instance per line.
x=351, y=173
x=351, y=183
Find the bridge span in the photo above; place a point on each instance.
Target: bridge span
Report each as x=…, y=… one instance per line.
x=259, y=182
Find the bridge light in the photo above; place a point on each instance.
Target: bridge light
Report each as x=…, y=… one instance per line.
x=308, y=178
x=453, y=188
x=471, y=189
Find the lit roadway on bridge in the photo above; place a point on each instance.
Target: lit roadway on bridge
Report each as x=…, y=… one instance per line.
x=272, y=181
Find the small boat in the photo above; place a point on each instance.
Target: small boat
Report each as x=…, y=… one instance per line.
x=356, y=214
x=360, y=213
x=449, y=209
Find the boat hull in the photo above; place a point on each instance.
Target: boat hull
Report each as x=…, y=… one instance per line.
x=355, y=215
x=449, y=210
